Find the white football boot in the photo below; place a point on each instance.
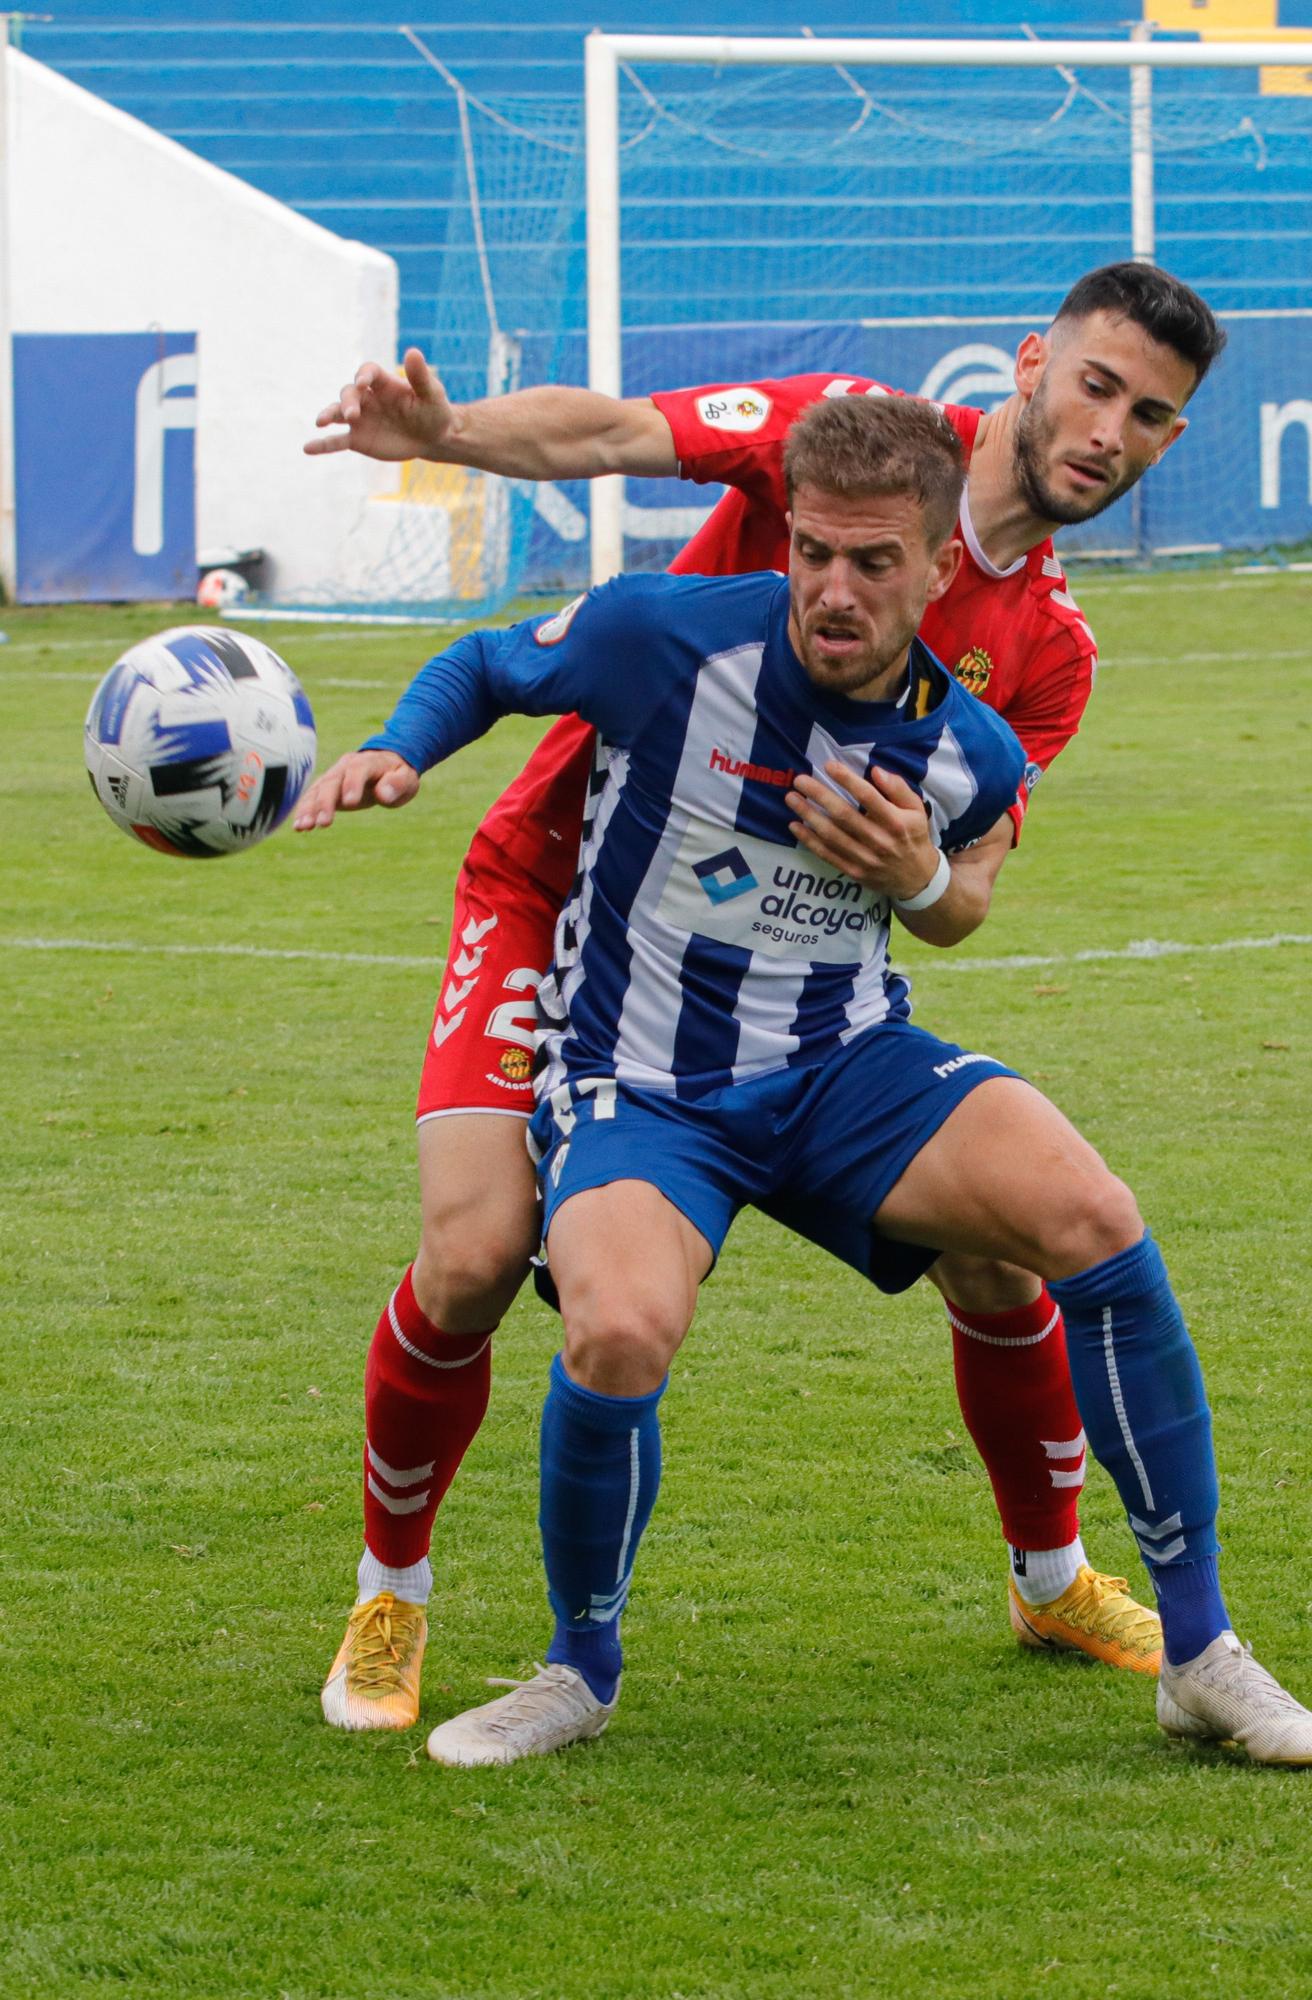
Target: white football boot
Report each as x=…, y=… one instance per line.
x=555, y=1708
x=1224, y=1696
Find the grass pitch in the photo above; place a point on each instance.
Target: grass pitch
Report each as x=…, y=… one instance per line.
x=833, y=1773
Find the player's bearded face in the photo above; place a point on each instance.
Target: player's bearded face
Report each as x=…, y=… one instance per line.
x=860, y=574
x=1048, y=480
x=1104, y=409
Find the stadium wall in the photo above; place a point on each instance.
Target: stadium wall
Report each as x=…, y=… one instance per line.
x=117, y=229
x=1240, y=477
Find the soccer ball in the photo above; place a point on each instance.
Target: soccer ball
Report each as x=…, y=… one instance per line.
x=220, y=589
x=199, y=742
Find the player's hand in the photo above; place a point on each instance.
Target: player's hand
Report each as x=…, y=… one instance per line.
x=361, y=778
x=388, y=416
x=876, y=830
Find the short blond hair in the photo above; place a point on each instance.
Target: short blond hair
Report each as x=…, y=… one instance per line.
x=867, y=446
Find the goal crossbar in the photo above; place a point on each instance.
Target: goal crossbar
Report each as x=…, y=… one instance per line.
x=603, y=54
x=952, y=52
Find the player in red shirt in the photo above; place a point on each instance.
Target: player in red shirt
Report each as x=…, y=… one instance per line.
x=1098, y=399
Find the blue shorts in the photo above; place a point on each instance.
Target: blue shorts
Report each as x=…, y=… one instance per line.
x=818, y=1149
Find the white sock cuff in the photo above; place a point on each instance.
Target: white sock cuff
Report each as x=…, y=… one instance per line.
x=413, y=1585
x=1042, y=1574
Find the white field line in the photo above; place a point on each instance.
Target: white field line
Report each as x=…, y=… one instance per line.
x=1089, y=579
x=1162, y=662
x=1139, y=950
x=1199, y=659
x=316, y=680
x=134, y=948
x=328, y=637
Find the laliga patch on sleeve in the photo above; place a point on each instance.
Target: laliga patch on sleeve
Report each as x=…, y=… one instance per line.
x=552, y=630
x=734, y=409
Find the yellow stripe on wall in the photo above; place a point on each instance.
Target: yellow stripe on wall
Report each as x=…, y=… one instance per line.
x=1236, y=20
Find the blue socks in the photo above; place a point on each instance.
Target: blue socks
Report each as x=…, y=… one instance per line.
x=601, y=1469
x=1141, y=1400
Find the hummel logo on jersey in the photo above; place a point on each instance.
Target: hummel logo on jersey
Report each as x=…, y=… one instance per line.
x=757, y=774
x=724, y=876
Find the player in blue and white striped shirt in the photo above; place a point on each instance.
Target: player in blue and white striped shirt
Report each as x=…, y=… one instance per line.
x=739, y=952
x=730, y=1032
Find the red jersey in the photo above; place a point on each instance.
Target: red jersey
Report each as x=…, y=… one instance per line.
x=1014, y=637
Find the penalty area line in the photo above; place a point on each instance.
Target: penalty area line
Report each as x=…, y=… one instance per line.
x=1138, y=951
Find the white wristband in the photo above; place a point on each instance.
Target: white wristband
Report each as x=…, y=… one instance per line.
x=936, y=886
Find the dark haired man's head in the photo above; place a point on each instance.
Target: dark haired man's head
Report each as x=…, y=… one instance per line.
x=874, y=490
x=1103, y=391
x=1168, y=310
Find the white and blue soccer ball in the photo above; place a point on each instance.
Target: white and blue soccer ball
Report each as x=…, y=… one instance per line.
x=222, y=590
x=199, y=741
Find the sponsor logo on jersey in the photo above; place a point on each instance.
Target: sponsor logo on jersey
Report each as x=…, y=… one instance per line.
x=734, y=409
x=824, y=904
x=517, y=1064
x=756, y=774
x=766, y=896
x=552, y=630
x=724, y=876
x=974, y=669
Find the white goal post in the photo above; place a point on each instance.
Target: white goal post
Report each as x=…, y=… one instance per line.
x=604, y=53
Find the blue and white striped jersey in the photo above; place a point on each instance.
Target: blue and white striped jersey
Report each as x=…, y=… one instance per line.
x=702, y=945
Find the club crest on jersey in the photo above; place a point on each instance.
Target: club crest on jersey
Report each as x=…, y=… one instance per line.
x=516, y=1065
x=734, y=409
x=974, y=669
x=552, y=630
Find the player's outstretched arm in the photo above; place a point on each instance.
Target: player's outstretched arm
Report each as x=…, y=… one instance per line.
x=386, y=415
x=553, y=432
x=877, y=832
x=361, y=778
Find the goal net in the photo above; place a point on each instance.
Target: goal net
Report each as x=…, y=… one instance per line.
x=840, y=208
x=910, y=220
x=490, y=301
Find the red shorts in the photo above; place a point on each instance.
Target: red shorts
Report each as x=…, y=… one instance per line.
x=480, y=1047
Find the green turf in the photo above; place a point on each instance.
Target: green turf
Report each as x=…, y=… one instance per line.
x=833, y=1773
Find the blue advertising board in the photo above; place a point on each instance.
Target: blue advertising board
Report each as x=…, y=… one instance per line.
x=1239, y=478
x=104, y=466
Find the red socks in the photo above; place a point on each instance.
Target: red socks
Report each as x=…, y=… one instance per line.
x=1015, y=1392
x=425, y=1394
